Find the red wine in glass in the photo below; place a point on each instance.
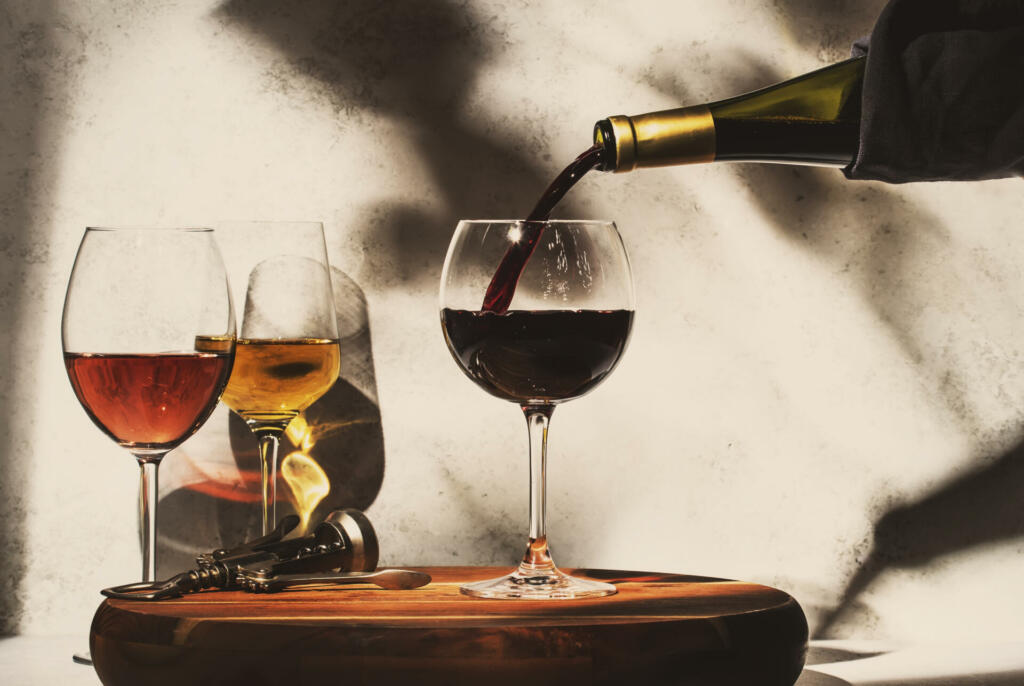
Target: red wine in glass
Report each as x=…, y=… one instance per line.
x=537, y=355
x=149, y=339
x=152, y=401
x=574, y=320
x=148, y=334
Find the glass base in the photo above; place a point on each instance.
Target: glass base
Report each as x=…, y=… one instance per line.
x=538, y=584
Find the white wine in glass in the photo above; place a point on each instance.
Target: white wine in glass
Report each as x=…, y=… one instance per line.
x=287, y=354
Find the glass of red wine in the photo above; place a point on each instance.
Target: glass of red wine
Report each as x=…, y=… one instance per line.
x=537, y=313
x=149, y=339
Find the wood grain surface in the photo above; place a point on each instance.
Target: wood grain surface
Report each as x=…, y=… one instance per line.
x=658, y=629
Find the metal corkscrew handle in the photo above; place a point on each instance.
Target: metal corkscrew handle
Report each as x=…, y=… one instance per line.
x=175, y=587
x=342, y=549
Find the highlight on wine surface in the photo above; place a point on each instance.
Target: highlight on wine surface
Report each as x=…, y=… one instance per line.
x=148, y=334
x=563, y=323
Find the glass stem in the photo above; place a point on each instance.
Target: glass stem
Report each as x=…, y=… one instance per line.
x=269, y=440
x=537, y=557
x=148, y=495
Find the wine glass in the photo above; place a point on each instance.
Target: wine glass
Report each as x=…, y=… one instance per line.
x=149, y=337
x=570, y=320
x=287, y=354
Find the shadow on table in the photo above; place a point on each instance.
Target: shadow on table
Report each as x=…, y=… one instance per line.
x=811, y=678
x=823, y=655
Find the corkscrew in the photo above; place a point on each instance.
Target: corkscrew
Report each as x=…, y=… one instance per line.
x=343, y=549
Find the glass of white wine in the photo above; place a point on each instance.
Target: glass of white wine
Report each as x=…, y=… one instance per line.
x=287, y=353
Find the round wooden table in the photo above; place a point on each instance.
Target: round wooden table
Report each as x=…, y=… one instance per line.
x=658, y=629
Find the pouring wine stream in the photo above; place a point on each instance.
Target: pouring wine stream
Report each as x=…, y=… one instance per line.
x=503, y=284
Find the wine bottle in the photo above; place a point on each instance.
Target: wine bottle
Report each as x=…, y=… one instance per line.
x=812, y=119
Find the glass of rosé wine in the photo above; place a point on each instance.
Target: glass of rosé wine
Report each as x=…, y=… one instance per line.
x=149, y=340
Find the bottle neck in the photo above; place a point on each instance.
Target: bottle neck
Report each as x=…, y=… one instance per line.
x=658, y=139
x=812, y=119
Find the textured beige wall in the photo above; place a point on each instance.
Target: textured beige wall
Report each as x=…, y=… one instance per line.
x=819, y=368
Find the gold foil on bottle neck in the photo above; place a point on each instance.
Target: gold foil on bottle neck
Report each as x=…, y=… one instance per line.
x=660, y=139
x=623, y=137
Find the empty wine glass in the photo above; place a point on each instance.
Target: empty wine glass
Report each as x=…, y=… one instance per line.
x=567, y=327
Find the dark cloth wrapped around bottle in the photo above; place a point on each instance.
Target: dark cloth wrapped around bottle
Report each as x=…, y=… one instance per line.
x=943, y=95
